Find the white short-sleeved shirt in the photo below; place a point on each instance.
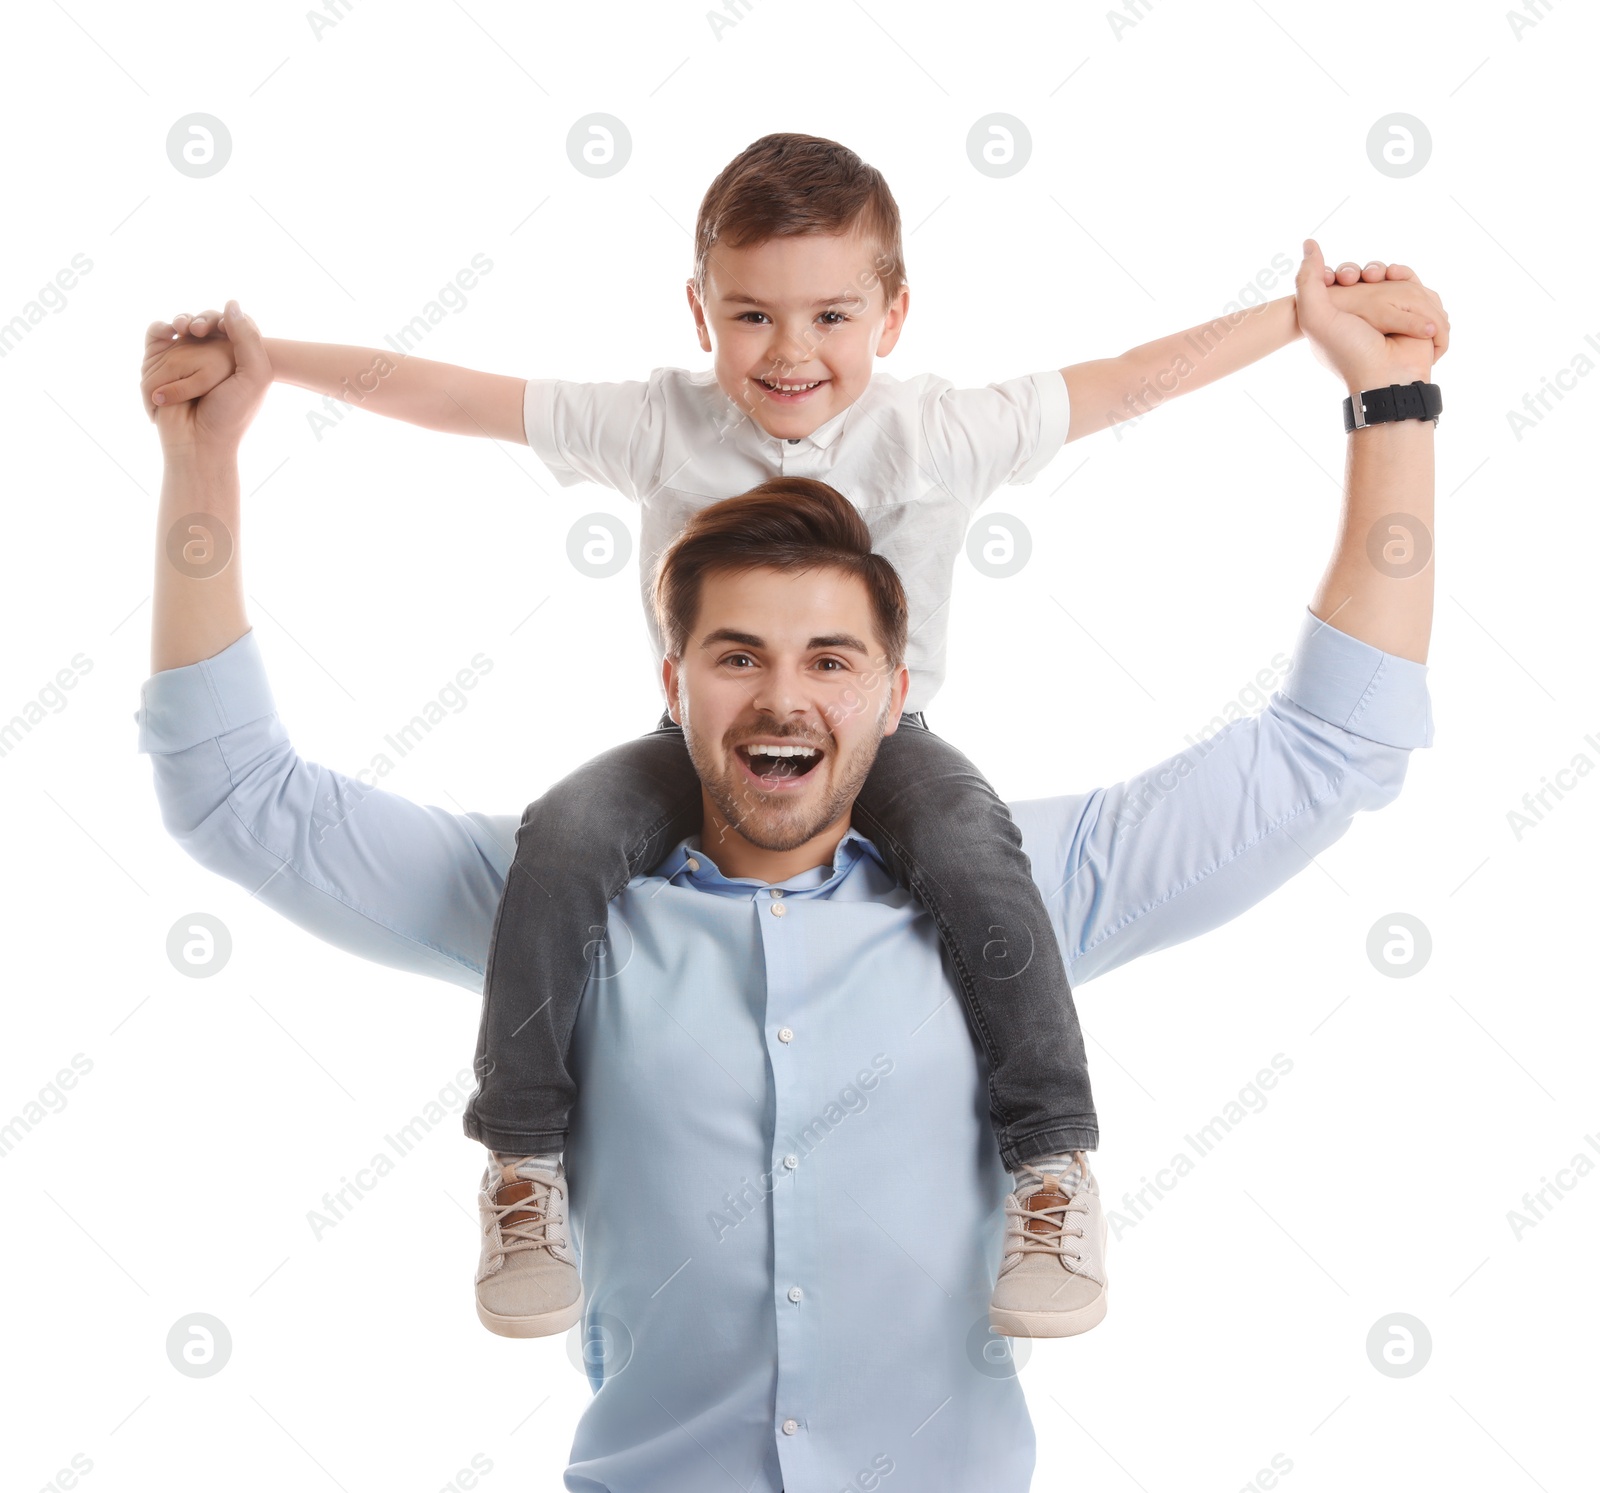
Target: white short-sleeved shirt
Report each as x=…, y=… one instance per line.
x=917, y=457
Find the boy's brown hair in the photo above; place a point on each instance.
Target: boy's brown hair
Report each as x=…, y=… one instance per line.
x=789, y=523
x=791, y=184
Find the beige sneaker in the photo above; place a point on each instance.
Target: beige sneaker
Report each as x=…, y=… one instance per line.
x=527, y=1282
x=1053, y=1276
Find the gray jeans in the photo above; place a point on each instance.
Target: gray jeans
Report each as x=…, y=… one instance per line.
x=933, y=817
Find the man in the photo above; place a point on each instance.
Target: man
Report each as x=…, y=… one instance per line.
x=779, y=1104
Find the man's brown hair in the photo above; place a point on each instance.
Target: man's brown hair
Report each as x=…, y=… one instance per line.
x=789, y=523
x=791, y=184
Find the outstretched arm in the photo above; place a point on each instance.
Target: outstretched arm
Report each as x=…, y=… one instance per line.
x=1201, y=837
x=1109, y=391
x=195, y=355
x=397, y=882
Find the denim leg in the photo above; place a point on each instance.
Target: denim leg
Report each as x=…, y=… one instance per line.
x=952, y=841
x=612, y=819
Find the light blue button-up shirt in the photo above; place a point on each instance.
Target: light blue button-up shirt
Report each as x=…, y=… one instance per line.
x=785, y=1189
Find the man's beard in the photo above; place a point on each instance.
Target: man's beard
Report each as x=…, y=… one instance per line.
x=762, y=818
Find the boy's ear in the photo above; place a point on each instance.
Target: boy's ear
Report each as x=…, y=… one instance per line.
x=698, y=312
x=893, y=320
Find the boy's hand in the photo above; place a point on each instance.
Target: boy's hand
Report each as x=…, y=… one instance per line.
x=1390, y=299
x=190, y=360
x=216, y=419
x=1360, y=354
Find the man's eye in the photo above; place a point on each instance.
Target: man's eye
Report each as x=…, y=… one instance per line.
x=732, y=656
x=839, y=661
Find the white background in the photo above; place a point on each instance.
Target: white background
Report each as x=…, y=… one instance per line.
x=1171, y=163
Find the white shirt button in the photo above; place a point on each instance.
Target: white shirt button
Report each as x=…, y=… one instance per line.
x=791, y=1162
x=778, y=909
x=795, y=1293
x=692, y=864
x=785, y=1034
x=790, y=1427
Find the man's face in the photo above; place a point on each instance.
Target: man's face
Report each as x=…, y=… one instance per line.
x=783, y=659
x=798, y=311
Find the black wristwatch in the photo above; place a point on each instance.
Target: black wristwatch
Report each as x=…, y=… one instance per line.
x=1416, y=401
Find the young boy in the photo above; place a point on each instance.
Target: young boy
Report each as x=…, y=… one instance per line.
x=798, y=284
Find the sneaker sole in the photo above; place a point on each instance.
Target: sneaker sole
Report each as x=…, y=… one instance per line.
x=545, y=1324
x=1048, y=1324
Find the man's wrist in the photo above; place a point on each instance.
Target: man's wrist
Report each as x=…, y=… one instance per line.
x=1382, y=378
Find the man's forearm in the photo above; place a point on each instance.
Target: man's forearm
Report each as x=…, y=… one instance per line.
x=1111, y=390
x=438, y=396
x=197, y=608
x=1379, y=584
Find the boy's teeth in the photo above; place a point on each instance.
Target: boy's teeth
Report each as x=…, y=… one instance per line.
x=789, y=388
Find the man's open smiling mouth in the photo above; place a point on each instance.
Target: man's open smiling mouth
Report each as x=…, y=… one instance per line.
x=776, y=766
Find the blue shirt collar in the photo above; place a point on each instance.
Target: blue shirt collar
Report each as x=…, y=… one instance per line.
x=689, y=864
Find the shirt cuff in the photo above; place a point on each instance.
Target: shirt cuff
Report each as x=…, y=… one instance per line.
x=179, y=708
x=1359, y=688
x=538, y=426
x=1055, y=416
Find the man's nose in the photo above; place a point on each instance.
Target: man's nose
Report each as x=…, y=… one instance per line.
x=783, y=695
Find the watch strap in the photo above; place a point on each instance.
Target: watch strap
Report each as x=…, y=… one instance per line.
x=1413, y=401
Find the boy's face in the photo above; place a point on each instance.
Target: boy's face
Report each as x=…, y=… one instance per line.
x=804, y=310
x=787, y=658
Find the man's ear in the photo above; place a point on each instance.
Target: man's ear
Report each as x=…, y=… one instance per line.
x=698, y=312
x=669, y=683
x=898, y=692
x=893, y=320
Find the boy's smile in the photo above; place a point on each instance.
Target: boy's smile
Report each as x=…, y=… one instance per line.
x=793, y=325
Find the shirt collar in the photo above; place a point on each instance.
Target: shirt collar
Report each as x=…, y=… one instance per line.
x=771, y=446
x=704, y=875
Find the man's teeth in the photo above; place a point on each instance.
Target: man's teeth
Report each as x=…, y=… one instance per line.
x=789, y=388
x=762, y=750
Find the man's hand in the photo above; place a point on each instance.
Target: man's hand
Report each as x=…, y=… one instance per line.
x=218, y=418
x=1361, y=354
x=1390, y=298
x=187, y=365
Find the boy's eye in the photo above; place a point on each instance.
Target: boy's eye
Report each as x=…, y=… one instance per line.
x=842, y=317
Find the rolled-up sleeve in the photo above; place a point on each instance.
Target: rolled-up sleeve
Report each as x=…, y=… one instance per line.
x=1206, y=834
x=392, y=881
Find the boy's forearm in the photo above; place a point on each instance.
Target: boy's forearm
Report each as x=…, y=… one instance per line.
x=1110, y=390
x=437, y=396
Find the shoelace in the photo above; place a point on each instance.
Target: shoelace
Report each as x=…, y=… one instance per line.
x=1019, y=1238
x=531, y=1232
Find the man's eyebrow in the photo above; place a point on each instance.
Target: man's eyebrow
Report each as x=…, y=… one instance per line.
x=843, y=640
x=750, y=300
